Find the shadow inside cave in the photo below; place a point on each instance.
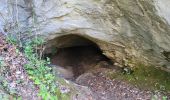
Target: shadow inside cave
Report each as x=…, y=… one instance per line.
x=77, y=55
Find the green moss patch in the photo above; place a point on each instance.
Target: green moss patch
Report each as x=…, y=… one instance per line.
x=146, y=77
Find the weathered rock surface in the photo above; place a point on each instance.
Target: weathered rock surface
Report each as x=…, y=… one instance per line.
x=128, y=31
x=63, y=72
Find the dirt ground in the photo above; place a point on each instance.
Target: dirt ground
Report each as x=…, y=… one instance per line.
x=90, y=68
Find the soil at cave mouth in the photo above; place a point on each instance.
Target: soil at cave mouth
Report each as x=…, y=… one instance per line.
x=79, y=59
x=90, y=68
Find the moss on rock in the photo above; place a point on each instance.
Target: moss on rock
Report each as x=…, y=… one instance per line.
x=146, y=77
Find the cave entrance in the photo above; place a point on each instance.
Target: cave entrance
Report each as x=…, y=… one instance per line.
x=76, y=54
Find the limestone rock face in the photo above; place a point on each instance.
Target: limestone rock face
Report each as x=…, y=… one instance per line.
x=128, y=31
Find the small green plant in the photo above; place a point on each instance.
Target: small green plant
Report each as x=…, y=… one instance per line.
x=37, y=68
x=164, y=98
x=39, y=72
x=11, y=39
x=155, y=97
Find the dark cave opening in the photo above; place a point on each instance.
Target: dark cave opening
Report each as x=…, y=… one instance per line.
x=77, y=54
